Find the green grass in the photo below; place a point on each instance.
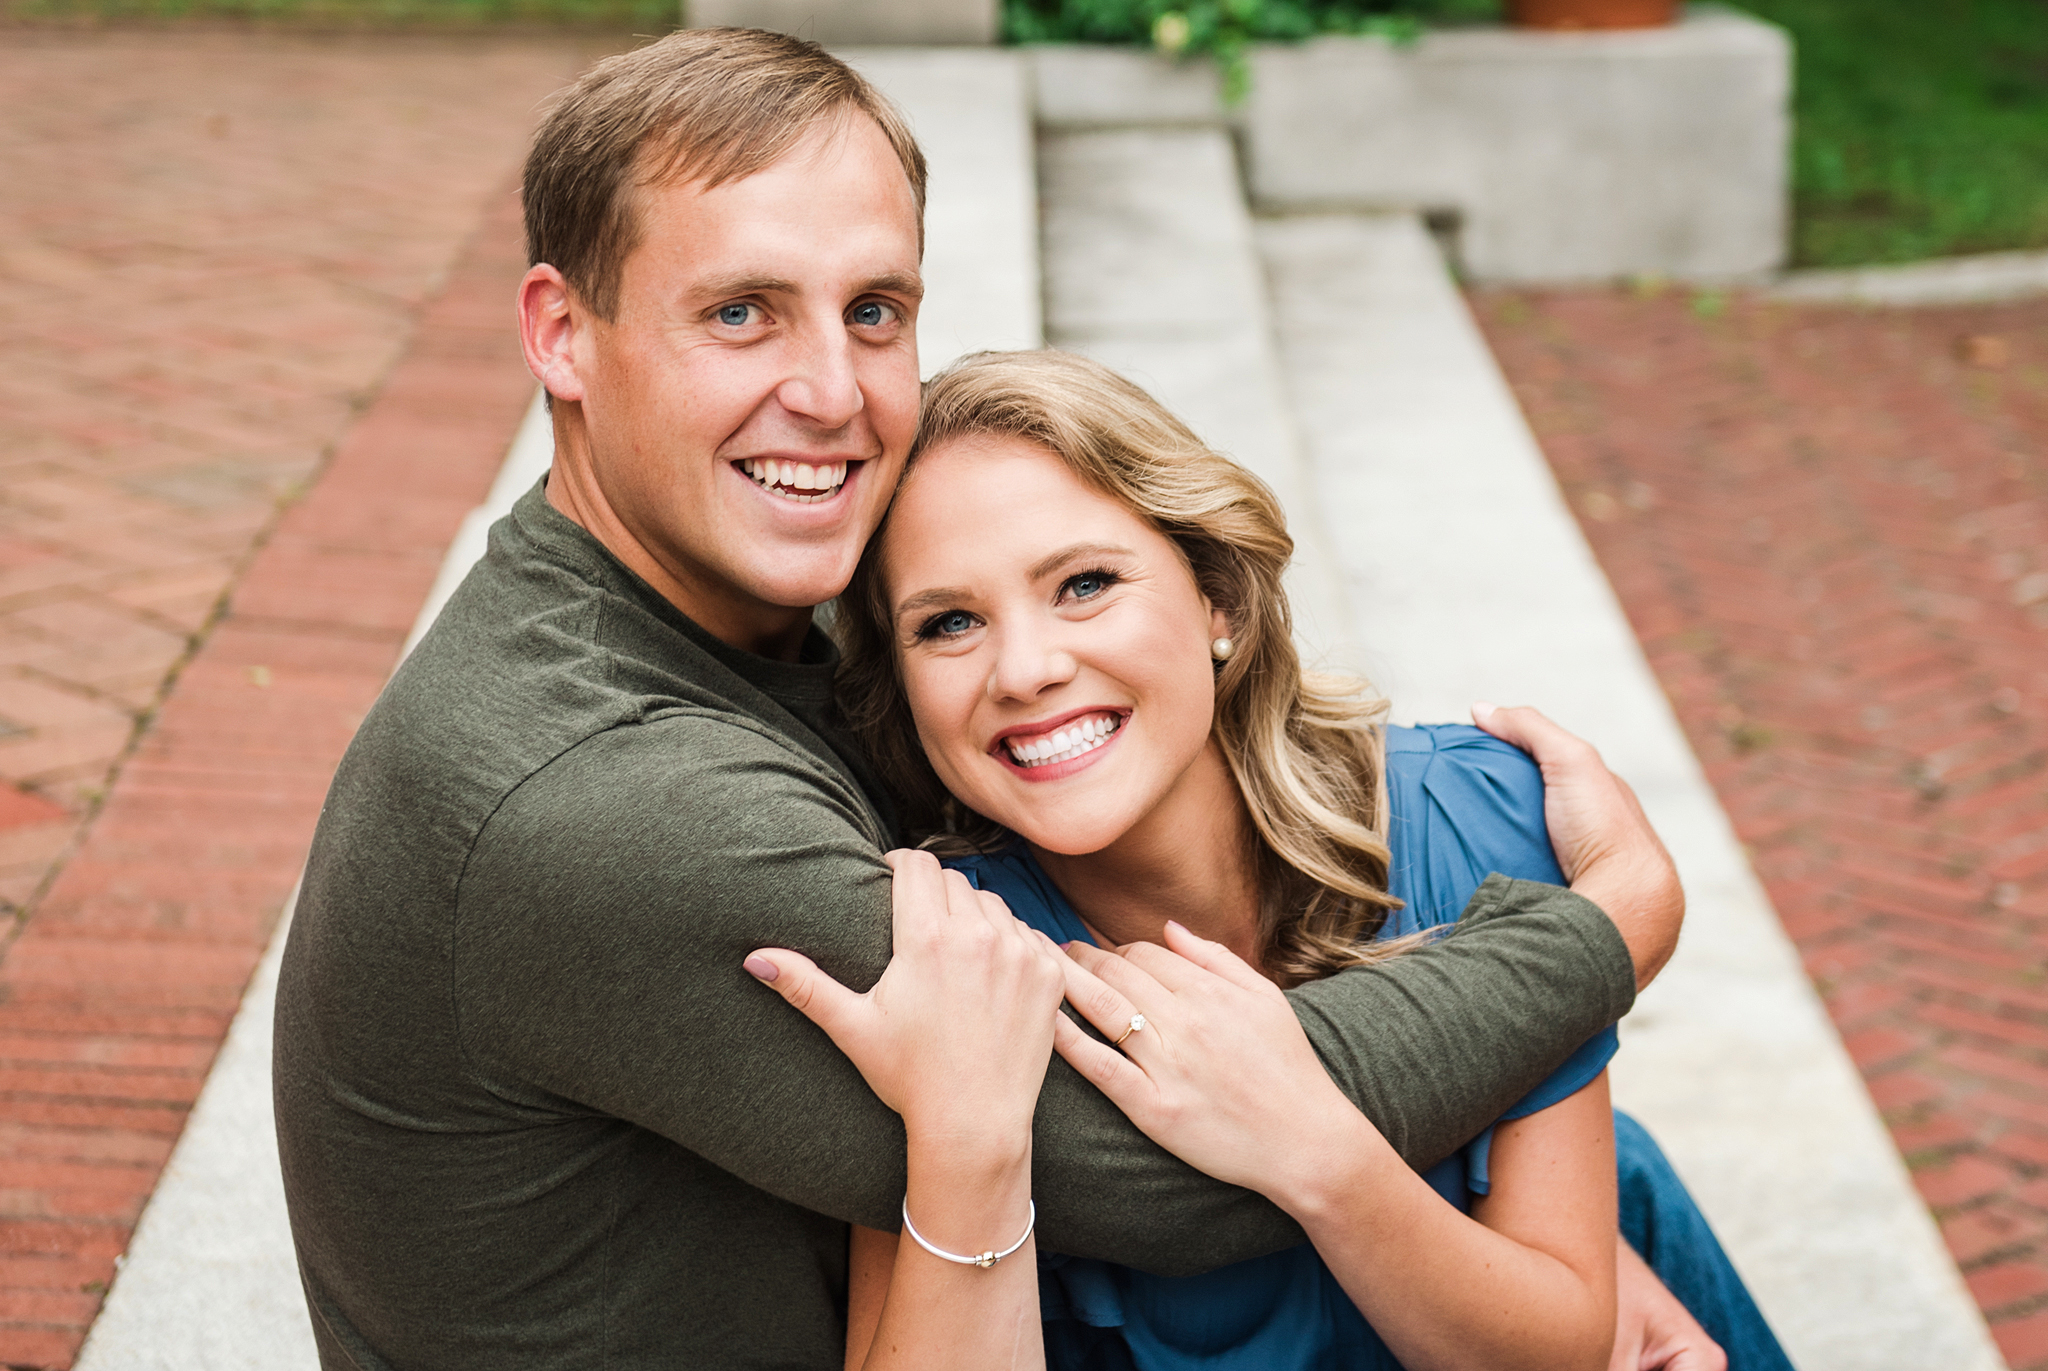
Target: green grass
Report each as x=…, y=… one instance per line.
x=1922, y=127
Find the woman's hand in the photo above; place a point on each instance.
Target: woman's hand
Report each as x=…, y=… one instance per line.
x=1221, y=1074
x=957, y=1033
x=1603, y=840
x=955, y=1037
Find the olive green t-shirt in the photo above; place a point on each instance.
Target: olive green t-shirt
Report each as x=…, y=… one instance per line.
x=533, y=1113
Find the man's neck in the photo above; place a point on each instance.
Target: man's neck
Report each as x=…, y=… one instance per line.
x=771, y=631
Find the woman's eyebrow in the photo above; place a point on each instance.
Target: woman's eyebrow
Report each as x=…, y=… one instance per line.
x=930, y=599
x=1053, y=561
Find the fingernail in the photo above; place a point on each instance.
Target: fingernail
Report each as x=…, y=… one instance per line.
x=1176, y=923
x=1480, y=709
x=762, y=968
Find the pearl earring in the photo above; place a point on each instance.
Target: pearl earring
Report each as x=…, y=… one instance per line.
x=1221, y=648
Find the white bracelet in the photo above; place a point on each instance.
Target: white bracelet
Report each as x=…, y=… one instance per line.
x=983, y=1259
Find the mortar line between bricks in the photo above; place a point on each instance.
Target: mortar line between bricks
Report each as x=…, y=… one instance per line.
x=199, y=638
x=99, y=889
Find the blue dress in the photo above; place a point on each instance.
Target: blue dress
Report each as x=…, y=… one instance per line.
x=1463, y=804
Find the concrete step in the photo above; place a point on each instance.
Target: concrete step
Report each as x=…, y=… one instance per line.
x=1470, y=579
x=1150, y=268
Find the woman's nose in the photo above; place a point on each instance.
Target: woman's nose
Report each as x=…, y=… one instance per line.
x=1027, y=664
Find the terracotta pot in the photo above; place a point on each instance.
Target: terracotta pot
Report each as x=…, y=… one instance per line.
x=1592, y=14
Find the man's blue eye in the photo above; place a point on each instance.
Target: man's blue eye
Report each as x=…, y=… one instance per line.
x=869, y=315
x=734, y=316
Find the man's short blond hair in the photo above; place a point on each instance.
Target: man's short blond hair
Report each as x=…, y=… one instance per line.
x=705, y=106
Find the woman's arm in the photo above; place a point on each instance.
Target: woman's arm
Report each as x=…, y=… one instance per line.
x=1221, y=1075
x=1525, y=1282
x=955, y=1037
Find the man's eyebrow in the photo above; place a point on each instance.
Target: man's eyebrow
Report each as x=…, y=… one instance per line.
x=1052, y=561
x=724, y=287
x=743, y=283
x=895, y=283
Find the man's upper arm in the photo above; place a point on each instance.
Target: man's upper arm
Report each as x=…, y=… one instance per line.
x=601, y=924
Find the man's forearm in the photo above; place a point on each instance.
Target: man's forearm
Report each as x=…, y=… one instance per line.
x=1433, y=1047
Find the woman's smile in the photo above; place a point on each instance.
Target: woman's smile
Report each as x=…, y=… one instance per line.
x=1059, y=747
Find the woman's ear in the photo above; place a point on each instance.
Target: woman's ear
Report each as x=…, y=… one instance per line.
x=1219, y=624
x=550, y=318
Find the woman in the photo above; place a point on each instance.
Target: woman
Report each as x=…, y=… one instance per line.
x=1069, y=651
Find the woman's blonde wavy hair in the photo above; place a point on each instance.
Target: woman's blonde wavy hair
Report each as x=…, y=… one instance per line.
x=1306, y=749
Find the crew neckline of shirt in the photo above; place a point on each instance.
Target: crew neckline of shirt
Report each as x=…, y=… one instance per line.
x=808, y=680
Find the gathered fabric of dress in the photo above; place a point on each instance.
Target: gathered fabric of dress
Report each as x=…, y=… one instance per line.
x=1462, y=804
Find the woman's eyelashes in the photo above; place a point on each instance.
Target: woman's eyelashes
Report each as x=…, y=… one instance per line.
x=1088, y=585
x=949, y=623
x=1079, y=588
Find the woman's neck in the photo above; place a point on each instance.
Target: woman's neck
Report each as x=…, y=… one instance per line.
x=1189, y=860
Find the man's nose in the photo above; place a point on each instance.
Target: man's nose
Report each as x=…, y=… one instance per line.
x=823, y=385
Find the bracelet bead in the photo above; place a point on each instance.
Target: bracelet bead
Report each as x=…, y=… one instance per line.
x=984, y=1260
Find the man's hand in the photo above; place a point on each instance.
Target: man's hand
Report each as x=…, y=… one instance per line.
x=1604, y=842
x=1653, y=1331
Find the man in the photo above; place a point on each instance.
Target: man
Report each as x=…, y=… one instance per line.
x=532, y=1111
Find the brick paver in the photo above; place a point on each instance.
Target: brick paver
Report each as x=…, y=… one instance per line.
x=215, y=250
x=1829, y=527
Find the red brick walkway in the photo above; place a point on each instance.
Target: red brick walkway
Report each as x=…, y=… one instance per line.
x=1829, y=527
x=217, y=249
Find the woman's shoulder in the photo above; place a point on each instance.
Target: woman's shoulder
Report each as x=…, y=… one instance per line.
x=1012, y=874
x=1461, y=804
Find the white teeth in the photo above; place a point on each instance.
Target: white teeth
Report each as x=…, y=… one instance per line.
x=1065, y=744
x=788, y=478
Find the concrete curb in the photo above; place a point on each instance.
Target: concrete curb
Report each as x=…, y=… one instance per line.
x=1729, y=1057
x=1979, y=279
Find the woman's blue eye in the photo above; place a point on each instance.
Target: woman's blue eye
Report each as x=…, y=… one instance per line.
x=735, y=316
x=956, y=622
x=1090, y=584
x=870, y=315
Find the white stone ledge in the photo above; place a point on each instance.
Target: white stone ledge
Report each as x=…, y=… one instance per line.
x=833, y=22
x=1560, y=156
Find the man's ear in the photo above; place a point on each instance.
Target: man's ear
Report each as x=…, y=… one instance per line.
x=550, y=320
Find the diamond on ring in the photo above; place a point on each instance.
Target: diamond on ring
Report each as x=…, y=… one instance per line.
x=1137, y=1025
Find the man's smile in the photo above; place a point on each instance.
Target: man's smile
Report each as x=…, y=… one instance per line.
x=805, y=482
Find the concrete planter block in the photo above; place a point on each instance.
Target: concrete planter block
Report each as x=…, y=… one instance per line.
x=1100, y=87
x=1564, y=156
x=835, y=22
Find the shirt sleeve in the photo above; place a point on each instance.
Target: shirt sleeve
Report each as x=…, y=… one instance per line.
x=607, y=906
x=1467, y=804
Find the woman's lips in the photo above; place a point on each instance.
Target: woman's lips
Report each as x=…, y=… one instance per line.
x=1061, y=749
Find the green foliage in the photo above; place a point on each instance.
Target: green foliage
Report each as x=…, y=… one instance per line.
x=1221, y=28
x=1922, y=129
